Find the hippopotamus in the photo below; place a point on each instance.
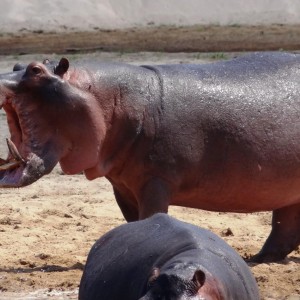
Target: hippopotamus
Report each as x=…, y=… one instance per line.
x=164, y=258
x=222, y=136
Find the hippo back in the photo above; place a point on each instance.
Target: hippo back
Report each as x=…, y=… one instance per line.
x=120, y=262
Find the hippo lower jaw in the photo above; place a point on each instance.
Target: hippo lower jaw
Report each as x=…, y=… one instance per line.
x=24, y=165
x=18, y=174
x=17, y=171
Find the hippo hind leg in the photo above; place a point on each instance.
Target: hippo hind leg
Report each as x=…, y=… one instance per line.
x=284, y=237
x=126, y=204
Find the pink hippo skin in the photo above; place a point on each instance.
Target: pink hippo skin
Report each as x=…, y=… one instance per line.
x=222, y=137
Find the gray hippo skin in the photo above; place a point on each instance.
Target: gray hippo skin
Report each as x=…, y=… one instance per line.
x=222, y=137
x=164, y=258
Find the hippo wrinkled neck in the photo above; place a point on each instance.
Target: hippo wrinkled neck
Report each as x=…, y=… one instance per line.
x=127, y=96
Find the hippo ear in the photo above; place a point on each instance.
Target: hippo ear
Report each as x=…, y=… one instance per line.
x=19, y=67
x=153, y=276
x=62, y=67
x=199, y=279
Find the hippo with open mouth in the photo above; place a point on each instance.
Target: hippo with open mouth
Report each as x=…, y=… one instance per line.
x=223, y=136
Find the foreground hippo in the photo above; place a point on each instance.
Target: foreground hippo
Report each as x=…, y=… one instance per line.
x=163, y=258
x=223, y=136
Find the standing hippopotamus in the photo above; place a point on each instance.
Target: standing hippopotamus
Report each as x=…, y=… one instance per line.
x=223, y=136
x=163, y=258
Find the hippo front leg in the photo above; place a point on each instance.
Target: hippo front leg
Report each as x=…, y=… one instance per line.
x=284, y=237
x=127, y=204
x=154, y=198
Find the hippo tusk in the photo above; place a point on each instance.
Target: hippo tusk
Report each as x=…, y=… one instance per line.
x=14, y=151
x=9, y=165
x=17, y=158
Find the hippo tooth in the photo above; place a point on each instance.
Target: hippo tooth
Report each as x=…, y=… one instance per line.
x=14, y=151
x=10, y=165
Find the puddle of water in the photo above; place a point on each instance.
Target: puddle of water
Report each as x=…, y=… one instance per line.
x=41, y=295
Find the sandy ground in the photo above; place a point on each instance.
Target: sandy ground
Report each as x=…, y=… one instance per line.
x=47, y=229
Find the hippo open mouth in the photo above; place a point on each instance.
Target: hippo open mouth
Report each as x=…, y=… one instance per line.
x=22, y=166
x=36, y=100
x=29, y=96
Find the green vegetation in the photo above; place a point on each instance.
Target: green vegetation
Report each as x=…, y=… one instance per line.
x=235, y=25
x=212, y=56
x=218, y=55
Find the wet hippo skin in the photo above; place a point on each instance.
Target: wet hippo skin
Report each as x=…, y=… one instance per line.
x=164, y=258
x=223, y=136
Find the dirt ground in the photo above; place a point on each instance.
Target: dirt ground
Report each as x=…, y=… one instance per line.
x=196, y=38
x=47, y=229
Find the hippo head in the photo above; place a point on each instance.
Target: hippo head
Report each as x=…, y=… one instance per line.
x=45, y=111
x=170, y=286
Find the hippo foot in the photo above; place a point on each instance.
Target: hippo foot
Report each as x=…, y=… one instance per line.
x=284, y=237
x=263, y=257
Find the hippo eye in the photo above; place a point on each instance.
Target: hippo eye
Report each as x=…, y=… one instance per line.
x=36, y=70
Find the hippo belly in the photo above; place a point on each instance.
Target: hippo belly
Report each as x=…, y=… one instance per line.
x=163, y=258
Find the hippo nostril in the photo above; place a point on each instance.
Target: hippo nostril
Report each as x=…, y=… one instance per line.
x=36, y=70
